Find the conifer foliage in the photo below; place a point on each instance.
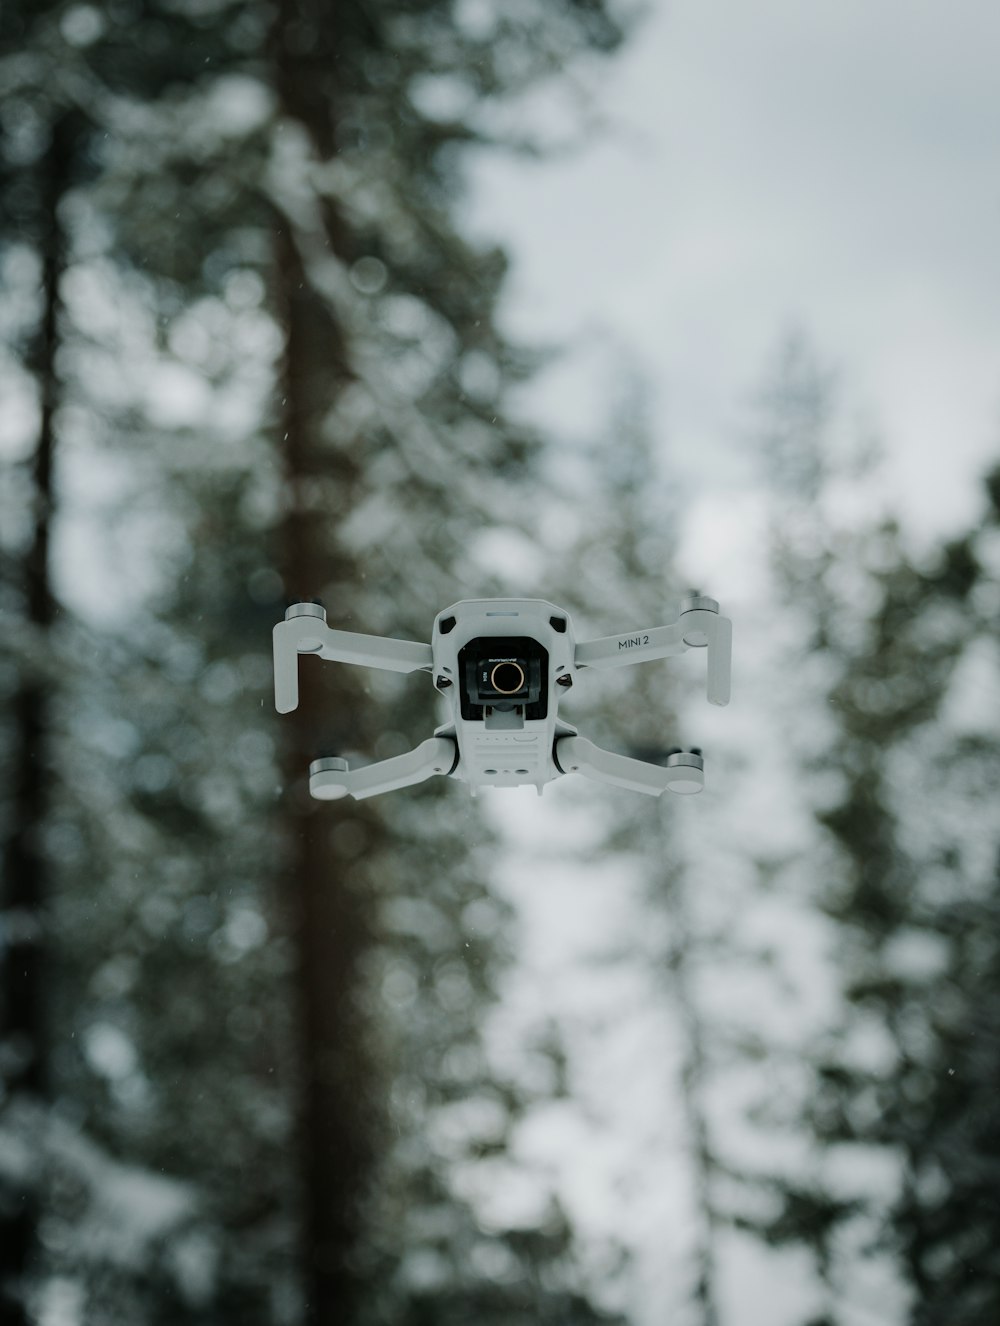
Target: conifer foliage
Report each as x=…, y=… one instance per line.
x=621, y=572
x=244, y=308
x=899, y=656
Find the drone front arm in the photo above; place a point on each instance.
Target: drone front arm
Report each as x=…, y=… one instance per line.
x=615, y=651
x=304, y=631
x=698, y=626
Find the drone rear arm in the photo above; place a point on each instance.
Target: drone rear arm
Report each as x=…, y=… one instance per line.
x=698, y=626
x=331, y=777
x=304, y=631
x=683, y=772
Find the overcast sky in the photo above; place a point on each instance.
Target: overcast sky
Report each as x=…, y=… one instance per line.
x=830, y=165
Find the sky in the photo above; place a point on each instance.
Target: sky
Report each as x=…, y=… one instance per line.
x=827, y=166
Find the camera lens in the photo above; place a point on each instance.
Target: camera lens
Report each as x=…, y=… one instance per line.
x=507, y=678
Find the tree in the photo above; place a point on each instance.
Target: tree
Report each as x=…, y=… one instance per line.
x=620, y=570
x=907, y=875
x=393, y=371
x=35, y=186
x=267, y=185
x=71, y=82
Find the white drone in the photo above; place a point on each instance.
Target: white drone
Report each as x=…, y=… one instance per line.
x=502, y=665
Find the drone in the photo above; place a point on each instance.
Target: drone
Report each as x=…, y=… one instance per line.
x=501, y=666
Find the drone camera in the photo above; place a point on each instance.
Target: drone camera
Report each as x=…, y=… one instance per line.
x=503, y=674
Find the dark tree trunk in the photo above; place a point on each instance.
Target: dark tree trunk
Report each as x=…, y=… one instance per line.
x=23, y=1031
x=338, y=1115
x=693, y=1081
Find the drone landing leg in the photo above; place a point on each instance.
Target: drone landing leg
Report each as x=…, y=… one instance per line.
x=684, y=772
x=330, y=778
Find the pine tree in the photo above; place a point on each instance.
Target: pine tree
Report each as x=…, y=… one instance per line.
x=269, y=178
x=907, y=877
x=622, y=574
x=80, y=858
x=392, y=382
x=38, y=172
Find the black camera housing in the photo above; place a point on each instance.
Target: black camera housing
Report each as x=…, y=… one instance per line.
x=504, y=673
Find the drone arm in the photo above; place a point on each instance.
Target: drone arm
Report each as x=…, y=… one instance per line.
x=684, y=772
x=304, y=631
x=614, y=651
x=376, y=651
x=331, y=778
x=698, y=626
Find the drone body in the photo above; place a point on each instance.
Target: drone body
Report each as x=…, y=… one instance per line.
x=501, y=666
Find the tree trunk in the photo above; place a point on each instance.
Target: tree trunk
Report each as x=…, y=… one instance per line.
x=693, y=1083
x=330, y=919
x=23, y=1031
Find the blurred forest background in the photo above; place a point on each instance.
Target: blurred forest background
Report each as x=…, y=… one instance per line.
x=267, y=1061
